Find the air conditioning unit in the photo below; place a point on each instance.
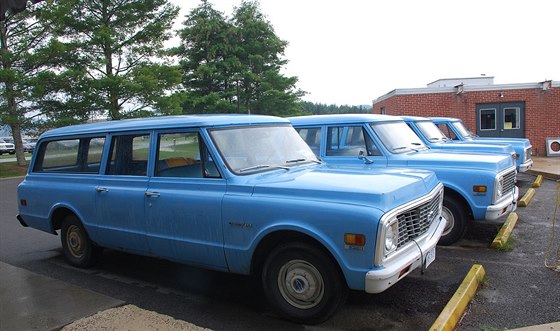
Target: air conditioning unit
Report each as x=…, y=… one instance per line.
x=552, y=146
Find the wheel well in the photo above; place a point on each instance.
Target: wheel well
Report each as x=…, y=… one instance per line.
x=272, y=240
x=459, y=198
x=58, y=216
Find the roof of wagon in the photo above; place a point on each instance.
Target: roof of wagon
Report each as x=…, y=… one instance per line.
x=164, y=122
x=342, y=118
x=445, y=119
x=414, y=118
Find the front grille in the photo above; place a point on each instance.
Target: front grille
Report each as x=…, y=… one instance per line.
x=415, y=222
x=508, y=182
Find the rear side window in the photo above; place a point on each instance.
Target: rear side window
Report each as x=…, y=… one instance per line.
x=129, y=155
x=70, y=156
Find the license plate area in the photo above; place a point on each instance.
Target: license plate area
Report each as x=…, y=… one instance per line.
x=429, y=257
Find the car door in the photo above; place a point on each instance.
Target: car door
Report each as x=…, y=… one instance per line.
x=184, y=202
x=120, y=194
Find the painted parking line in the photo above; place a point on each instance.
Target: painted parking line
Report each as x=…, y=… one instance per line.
x=450, y=315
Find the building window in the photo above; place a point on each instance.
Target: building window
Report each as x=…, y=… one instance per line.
x=511, y=118
x=382, y=110
x=488, y=119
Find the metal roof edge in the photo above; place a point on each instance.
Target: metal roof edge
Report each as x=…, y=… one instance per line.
x=466, y=88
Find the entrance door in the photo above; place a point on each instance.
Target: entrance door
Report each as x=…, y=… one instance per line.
x=503, y=120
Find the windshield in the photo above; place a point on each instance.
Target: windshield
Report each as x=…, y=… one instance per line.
x=398, y=137
x=261, y=148
x=463, y=130
x=431, y=131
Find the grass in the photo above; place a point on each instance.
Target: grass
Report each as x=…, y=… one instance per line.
x=11, y=169
x=508, y=246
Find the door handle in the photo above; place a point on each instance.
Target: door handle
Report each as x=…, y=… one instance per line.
x=151, y=194
x=101, y=189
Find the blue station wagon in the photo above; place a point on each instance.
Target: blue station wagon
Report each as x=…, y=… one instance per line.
x=454, y=128
x=477, y=186
x=241, y=194
x=432, y=137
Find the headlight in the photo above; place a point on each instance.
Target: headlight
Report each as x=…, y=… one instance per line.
x=391, y=237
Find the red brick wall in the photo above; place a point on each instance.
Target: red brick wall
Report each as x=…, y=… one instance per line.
x=542, y=109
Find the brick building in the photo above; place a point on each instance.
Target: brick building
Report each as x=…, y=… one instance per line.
x=530, y=110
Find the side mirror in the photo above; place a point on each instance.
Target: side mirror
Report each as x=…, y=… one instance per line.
x=362, y=157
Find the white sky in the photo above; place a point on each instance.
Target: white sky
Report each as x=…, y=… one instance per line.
x=353, y=51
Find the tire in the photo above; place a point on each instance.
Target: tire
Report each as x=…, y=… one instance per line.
x=456, y=215
x=79, y=251
x=302, y=283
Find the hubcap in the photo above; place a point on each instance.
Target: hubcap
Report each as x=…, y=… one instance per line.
x=75, y=241
x=301, y=284
x=450, y=220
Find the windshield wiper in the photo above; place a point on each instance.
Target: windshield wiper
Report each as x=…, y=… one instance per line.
x=263, y=166
x=295, y=160
x=399, y=148
x=302, y=160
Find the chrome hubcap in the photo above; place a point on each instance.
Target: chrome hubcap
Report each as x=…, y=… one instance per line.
x=301, y=284
x=446, y=213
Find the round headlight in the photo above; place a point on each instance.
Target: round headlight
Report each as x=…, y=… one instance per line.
x=391, y=237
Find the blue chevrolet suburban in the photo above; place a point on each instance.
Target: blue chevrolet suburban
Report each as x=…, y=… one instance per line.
x=477, y=186
x=454, y=128
x=432, y=137
x=241, y=194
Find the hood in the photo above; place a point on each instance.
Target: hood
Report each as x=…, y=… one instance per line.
x=431, y=159
x=376, y=188
x=512, y=141
x=475, y=147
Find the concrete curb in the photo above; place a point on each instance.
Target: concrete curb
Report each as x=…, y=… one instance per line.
x=524, y=202
x=538, y=181
x=450, y=315
x=503, y=236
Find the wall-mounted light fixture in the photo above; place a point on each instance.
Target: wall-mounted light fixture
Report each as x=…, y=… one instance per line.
x=501, y=95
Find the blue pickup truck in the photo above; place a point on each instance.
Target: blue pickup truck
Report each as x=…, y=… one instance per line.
x=477, y=186
x=241, y=194
x=454, y=128
x=432, y=136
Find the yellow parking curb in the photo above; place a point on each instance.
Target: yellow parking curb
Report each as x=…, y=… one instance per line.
x=524, y=202
x=503, y=236
x=538, y=181
x=450, y=315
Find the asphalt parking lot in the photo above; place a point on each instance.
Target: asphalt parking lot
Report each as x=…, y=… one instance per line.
x=518, y=289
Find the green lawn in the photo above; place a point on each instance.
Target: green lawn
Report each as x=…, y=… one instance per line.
x=11, y=169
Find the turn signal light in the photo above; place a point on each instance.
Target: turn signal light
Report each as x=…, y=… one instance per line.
x=479, y=188
x=23, y=202
x=354, y=239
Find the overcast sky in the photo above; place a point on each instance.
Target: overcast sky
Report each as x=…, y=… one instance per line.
x=353, y=51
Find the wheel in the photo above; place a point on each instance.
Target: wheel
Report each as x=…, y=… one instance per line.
x=78, y=249
x=302, y=283
x=456, y=215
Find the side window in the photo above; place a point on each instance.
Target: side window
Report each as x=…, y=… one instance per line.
x=346, y=141
x=312, y=137
x=94, y=154
x=184, y=155
x=446, y=131
x=129, y=155
x=70, y=156
x=58, y=156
